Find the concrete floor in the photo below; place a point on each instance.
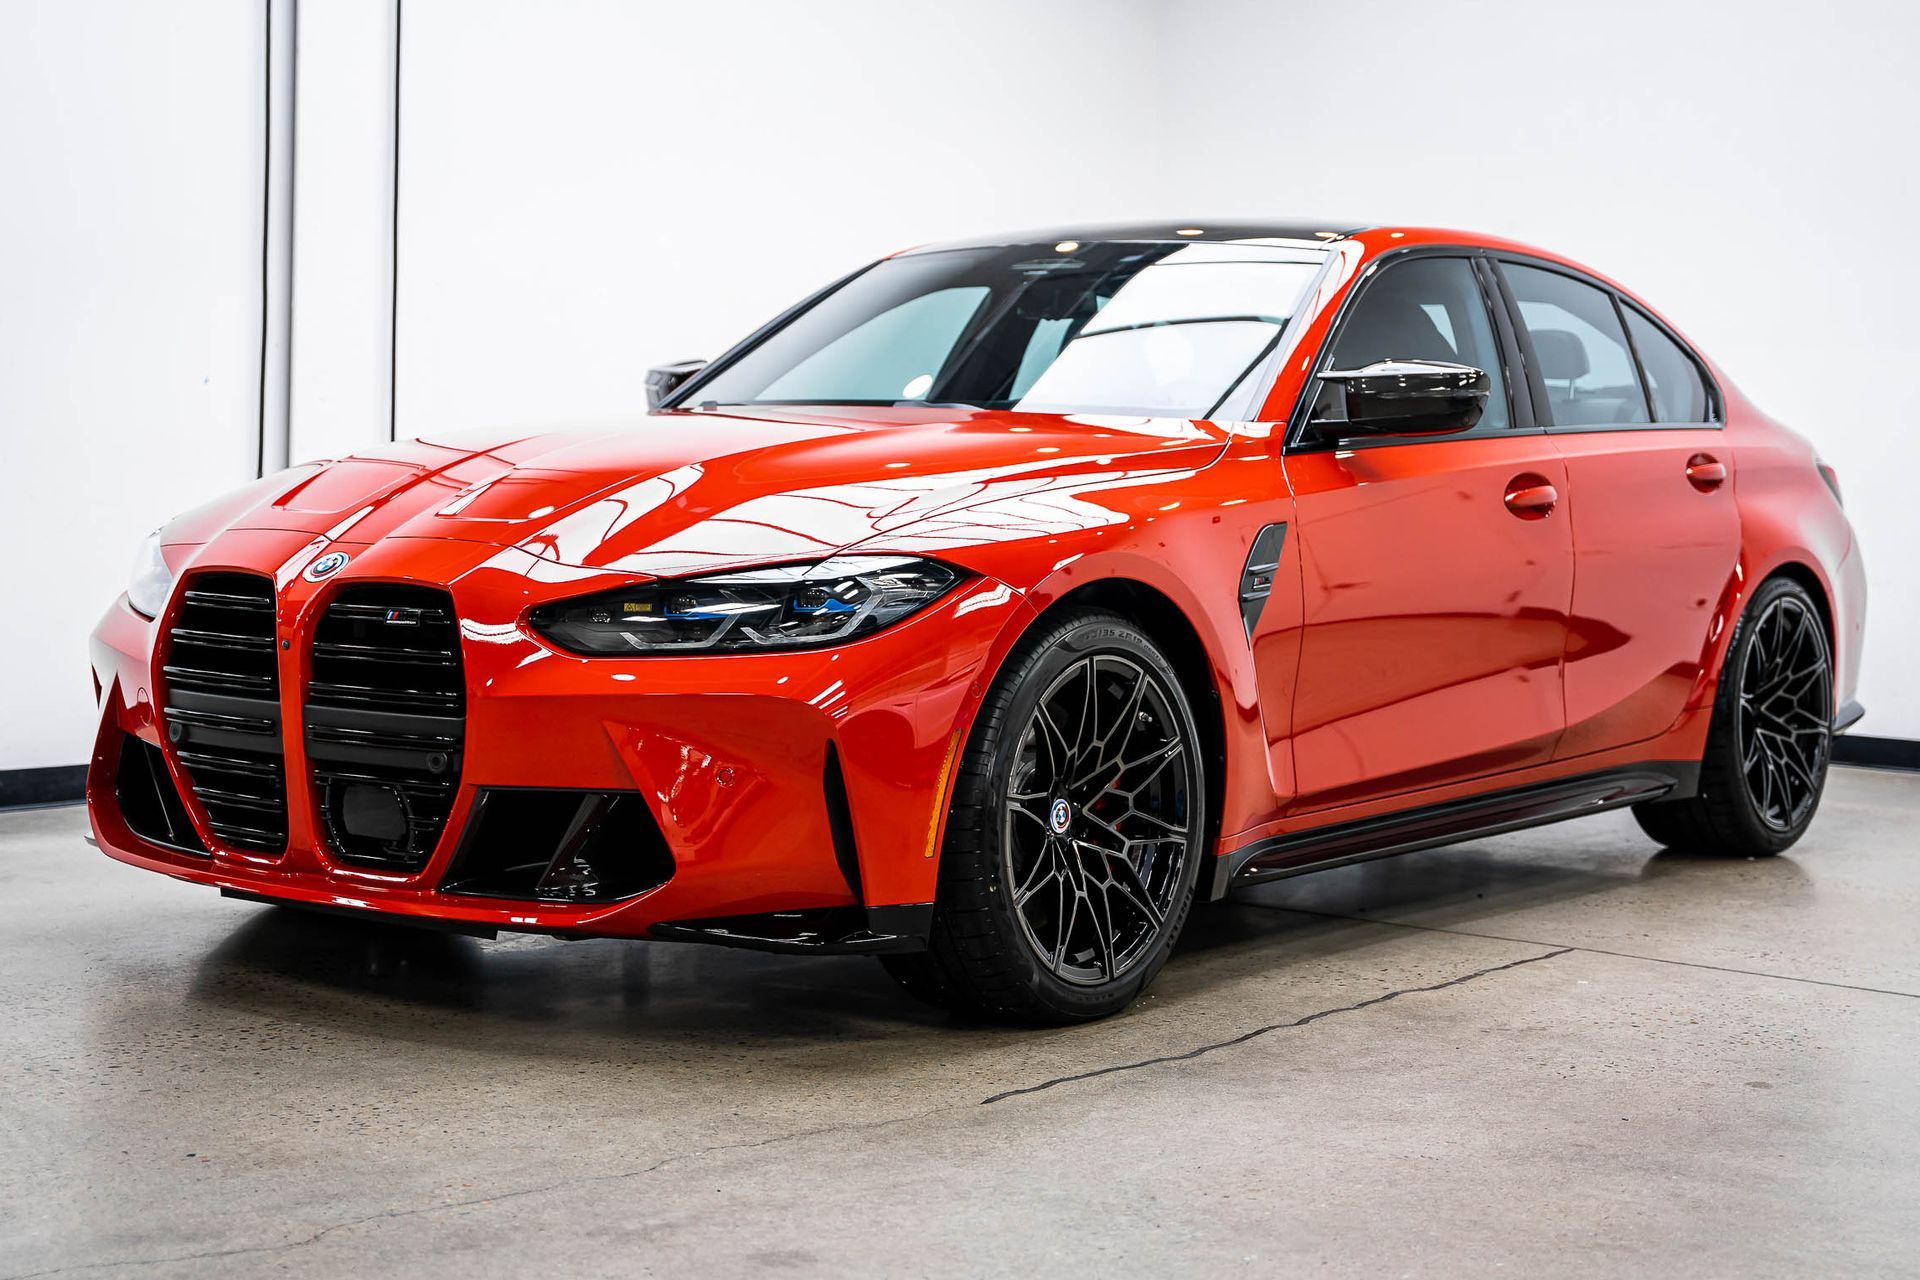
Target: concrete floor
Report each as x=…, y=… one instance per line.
x=1557, y=1052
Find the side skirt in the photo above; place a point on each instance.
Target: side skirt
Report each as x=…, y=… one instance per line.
x=1470, y=818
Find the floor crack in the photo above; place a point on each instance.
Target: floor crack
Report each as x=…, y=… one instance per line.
x=1257, y=1032
x=1593, y=951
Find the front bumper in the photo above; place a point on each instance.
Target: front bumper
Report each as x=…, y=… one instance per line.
x=737, y=758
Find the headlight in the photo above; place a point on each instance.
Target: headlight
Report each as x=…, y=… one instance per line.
x=784, y=607
x=152, y=580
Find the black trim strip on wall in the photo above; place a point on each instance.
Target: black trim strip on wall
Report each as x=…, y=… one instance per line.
x=57, y=784
x=266, y=246
x=67, y=784
x=393, y=244
x=1878, y=753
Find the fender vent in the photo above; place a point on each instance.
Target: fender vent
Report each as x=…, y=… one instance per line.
x=220, y=678
x=385, y=720
x=1256, y=577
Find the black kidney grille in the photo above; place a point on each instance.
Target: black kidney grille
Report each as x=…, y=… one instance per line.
x=220, y=692
x=385, y=722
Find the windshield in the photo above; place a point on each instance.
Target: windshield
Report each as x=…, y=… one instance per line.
x=1167, y=330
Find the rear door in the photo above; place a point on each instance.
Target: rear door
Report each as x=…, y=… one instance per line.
x=1656, y=534
x=1437, y=572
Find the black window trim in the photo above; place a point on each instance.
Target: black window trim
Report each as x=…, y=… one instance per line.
x=1521, y=417
x=1621, y=303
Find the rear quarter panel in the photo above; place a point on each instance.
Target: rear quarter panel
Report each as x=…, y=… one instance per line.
x=1788, y=516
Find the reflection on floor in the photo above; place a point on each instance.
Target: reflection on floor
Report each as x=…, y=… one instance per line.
x=1557, y=1050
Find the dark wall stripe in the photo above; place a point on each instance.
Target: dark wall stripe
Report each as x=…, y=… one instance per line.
x=60, y=784
x=393, y=312
x=266, y=246
x=67, y=784
x=1881, y=753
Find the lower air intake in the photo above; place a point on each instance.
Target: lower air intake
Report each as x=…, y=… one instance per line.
x=543, y=845
x=149, y=802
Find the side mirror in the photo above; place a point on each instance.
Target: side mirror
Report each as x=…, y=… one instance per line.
x=663, y=380
x=1401, y=398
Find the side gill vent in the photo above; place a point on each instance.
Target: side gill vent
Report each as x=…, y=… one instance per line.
x=385, y=722
x=221, y=707
x=1256, y=578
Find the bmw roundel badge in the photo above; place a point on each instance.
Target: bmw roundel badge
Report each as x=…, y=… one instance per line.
x=326, y=566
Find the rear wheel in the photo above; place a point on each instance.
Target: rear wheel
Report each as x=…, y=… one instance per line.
x=1765, y=765
x=1075, y=836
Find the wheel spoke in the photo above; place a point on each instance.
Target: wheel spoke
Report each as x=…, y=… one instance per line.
x=1127, y=881
x=1100, y=920
x=1045, y=868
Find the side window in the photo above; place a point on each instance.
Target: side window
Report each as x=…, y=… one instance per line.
x=1584, y=359
x=1674, y=384
x=1424, y=309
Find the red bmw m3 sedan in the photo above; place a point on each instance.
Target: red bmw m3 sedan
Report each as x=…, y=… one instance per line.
x=992, y=606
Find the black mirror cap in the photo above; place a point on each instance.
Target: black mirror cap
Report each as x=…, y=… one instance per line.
x=1406, y=398
x=664, y=379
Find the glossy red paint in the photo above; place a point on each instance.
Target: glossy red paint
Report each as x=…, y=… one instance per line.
x=1449, y=616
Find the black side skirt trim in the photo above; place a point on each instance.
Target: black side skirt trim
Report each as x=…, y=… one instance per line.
x=1456, y=820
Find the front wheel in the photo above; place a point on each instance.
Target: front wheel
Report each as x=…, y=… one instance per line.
x=1767, y=748
x=1076, y=832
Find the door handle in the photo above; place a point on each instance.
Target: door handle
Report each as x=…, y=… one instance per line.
x=1706, y=472
x=1531, y=497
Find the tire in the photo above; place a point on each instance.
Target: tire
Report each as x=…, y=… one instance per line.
x=1034, y=838
x=1765, y=765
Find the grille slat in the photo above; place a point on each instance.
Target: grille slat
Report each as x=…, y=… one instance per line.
x=338, y=694
x=216, y=681
x=221, y=700
x=396, y=656
x=385, y=714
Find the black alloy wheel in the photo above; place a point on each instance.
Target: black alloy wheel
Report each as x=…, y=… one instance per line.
x=1784, y=715
x=1097, y=830
x=1076, y=835
x=1771, y=737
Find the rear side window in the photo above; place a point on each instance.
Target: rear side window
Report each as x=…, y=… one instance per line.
x=1674, y=384
x=1581, y=349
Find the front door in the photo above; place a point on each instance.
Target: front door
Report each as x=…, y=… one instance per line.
x=1437, y=574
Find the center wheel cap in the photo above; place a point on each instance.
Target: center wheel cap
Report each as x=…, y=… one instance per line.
x=1060, y=817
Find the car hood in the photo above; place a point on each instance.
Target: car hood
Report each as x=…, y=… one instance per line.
x=684, y=492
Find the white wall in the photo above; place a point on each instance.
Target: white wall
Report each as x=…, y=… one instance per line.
x=342, y=228
x=588, y=189
x=1748, y=168
x=131, y=146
